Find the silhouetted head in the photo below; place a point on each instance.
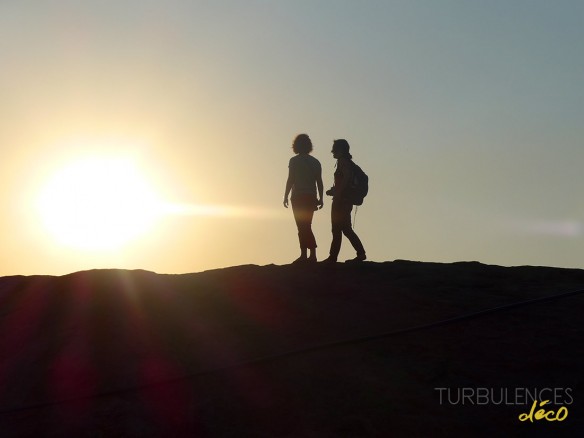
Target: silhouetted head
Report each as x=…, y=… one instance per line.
x=341, y=149
x=302, y=144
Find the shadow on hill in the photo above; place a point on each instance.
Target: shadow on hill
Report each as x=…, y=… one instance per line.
x=254, y=351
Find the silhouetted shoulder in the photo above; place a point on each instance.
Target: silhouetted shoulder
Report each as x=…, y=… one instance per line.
x=304, y=161
x=314, y=161
x=345, y=167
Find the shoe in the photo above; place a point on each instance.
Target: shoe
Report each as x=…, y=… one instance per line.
x=300, y=260
x=329, y=260
x=359, y=258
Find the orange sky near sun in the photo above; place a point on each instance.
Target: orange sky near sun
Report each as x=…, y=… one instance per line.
x=467, y=118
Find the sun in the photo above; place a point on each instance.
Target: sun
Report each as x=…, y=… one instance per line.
x=98, y=203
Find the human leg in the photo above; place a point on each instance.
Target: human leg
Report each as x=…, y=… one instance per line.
x=355, y=241
x=343, y=223
x=337, y=216
x=303, y=209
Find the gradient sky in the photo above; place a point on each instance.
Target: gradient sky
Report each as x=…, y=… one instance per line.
x=468, y=117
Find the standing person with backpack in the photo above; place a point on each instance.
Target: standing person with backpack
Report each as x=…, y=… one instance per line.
x=304, y=178
x=350, y=186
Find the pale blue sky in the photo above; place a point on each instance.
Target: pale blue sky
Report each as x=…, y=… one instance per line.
x=467, y=116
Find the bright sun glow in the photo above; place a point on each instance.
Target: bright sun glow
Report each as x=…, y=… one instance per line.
x=98, y=203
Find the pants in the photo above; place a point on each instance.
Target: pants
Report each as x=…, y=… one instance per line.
x=303, y=206
x=341, y=224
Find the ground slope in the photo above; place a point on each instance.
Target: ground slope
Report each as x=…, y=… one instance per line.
x=288, y=351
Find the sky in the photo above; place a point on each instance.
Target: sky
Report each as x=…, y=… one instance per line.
x=466, y=115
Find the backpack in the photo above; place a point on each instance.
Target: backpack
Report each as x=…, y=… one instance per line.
x=359, y=187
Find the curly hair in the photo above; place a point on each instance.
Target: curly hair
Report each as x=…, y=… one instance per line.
x=302, y=144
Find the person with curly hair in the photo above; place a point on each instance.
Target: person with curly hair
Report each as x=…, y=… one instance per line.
x=304, y=179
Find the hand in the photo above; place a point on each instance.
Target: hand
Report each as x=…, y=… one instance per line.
x=285, y=202
x=320, y=204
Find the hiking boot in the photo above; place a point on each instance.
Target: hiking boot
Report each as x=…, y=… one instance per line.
x=359, y=258
x=300, y=260
x=329, y=260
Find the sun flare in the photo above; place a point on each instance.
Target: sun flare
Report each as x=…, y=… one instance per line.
x=98, y=203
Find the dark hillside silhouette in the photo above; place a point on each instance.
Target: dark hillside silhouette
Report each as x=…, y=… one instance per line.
x=265, y=351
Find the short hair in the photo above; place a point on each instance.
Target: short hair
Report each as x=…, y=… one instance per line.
x=302, y=144
x=341, y=145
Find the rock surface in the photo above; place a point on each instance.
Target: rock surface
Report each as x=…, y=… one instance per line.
x=290, y=351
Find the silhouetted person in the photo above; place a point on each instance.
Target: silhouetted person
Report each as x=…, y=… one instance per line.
x=304, y=177
x=342, y=206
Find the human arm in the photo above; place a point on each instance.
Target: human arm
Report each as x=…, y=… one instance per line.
x=319, y=186
x=289, y=184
